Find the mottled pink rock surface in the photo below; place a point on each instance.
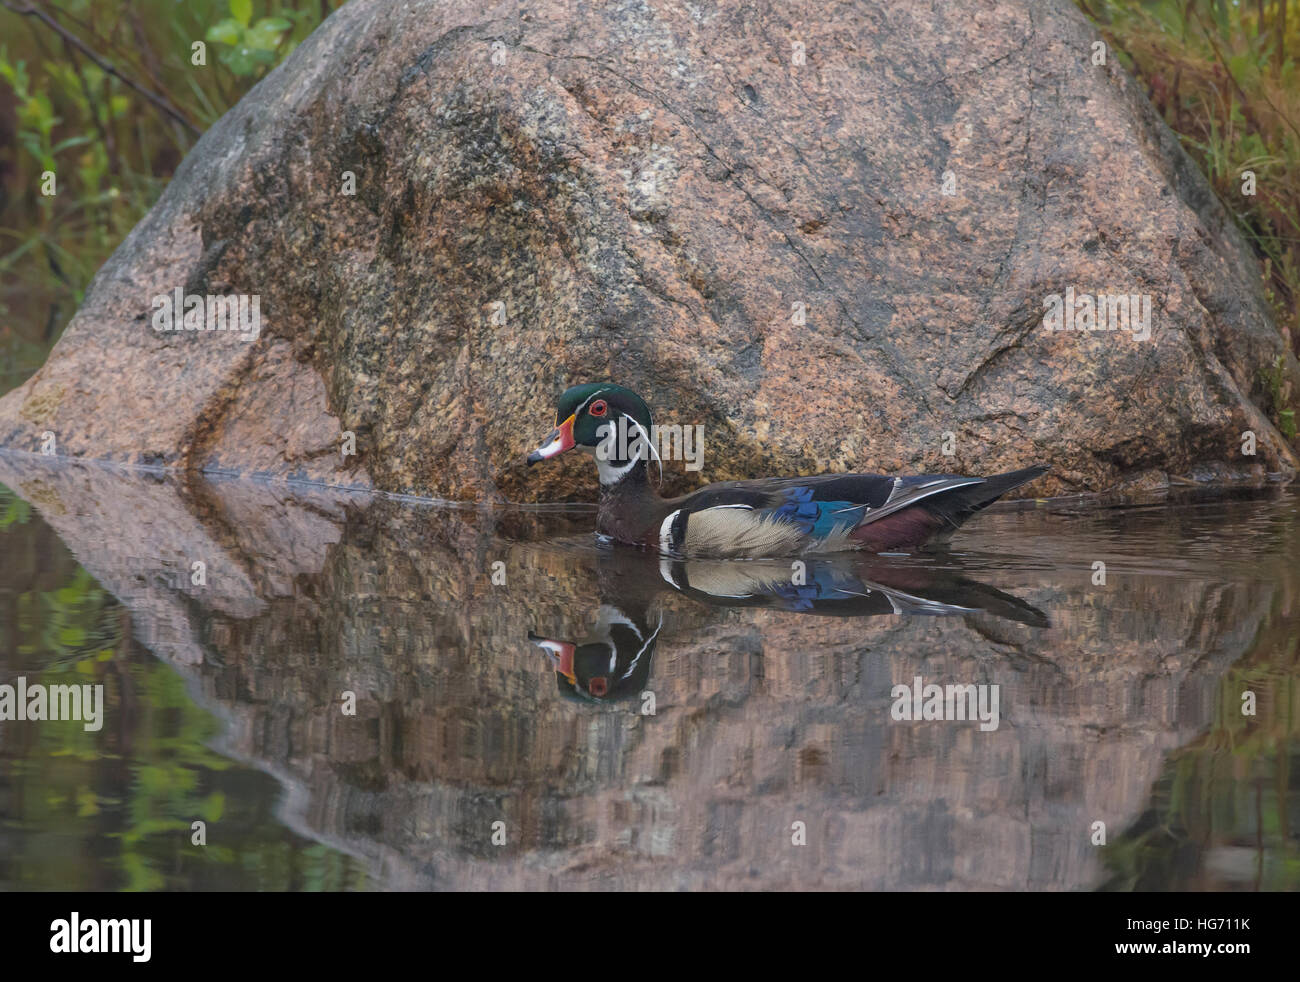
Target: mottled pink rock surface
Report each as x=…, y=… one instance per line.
x=645, y=192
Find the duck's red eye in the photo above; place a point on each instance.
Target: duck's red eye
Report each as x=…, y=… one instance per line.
x=598, y=408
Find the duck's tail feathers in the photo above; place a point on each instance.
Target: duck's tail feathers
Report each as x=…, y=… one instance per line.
x=959, y=504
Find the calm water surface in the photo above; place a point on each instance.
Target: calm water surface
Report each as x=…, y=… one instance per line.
x=533, y=710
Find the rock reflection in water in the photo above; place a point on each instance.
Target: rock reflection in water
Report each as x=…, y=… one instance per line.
x=765, y=714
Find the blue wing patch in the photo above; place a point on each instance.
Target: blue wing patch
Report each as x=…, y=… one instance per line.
x=826, y=584
x=816, y=518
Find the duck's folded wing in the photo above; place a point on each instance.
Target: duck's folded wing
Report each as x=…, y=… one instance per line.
x=908, y=491
x=787, y=516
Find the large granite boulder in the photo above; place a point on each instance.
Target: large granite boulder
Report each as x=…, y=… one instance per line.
x=827, y=232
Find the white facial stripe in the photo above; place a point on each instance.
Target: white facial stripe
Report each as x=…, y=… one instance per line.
x=654, y=451
x=609, y=617
x=645, y=437
x=632, y=667
x=584, y=404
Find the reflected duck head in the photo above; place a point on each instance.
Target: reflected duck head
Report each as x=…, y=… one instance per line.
x=610, y=664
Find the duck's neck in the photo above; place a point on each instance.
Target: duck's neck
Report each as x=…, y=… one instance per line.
x=627, y=501
x=623, y=457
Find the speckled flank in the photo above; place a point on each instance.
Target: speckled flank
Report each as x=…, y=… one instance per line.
x=642, y=192
x=737, y=532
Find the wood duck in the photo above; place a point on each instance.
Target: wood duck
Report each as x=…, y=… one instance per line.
x=751, y=519
x=612, y=662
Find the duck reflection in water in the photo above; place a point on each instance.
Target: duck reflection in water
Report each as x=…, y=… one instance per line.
x=612, y=662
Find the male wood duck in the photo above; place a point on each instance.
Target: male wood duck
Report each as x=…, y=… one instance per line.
x=612, y=661
x=751, y=519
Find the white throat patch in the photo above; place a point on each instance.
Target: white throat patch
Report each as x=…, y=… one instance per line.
x=609, y=474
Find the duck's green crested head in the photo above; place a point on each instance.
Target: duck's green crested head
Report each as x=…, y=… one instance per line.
x=587, y=415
